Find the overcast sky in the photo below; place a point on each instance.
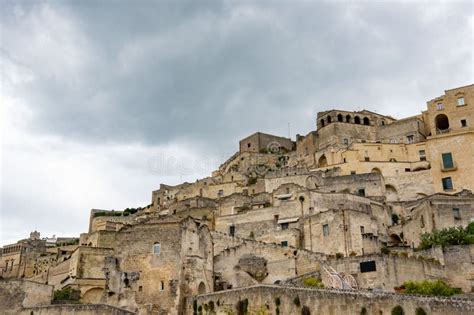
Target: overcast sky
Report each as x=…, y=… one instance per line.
x=102, y=102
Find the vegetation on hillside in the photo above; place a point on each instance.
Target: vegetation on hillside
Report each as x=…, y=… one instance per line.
x=436, y=288
x=449, y=236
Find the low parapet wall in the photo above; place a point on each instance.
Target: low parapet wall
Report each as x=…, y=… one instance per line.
x=266, y=299
x=76, y=309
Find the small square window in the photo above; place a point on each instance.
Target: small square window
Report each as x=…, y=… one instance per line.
x=456, y=214
x=361, y=192
x=410, y=139
x=362, y=230
x=325, y=229
x=248, y=145
x=439, y=106
x=447, y=183
x=367, y=159
x=461, y=101
x=284, y=243
x=284, y=226
x=346, y=141
x=463, y=123
x=353, y=172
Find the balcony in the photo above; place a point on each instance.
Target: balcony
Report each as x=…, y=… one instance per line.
x=449, y=168
x=442, y=131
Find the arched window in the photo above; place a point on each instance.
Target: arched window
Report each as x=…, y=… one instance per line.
x=366, y=121
x=357, y=120
x=157, y=248
x=339, y=118
x=322, y=162
x=376, y=170
x=322, y=122
x=201, y=288
x=329, y=119
x=348, y=118
x=383, y=122
x=442, y=123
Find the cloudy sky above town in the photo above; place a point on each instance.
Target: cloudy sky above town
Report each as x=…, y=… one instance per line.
x=103, y=101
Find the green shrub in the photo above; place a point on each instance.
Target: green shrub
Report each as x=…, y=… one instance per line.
x=449, y=236
x=384, y=250
x=66, y=294
x=297, y=301
x=313, y=282
x=339, y=255
x=353, y=253
x=420, y=311
x=437, y=288
x=398, y=310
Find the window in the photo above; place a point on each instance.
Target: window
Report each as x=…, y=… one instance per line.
x=456, y=214
x=447, y=183
x=232, y=230
x=410, y=138
x=353, y=172
x=162, y=285
x=346, y=141
x=220, y=193
x=325, y=229
x=463, y=123
x=157, y=248
x=284, y=226
x=368, y=266
x=447, y=161
x=367, y=159
x=439, y=106
x=407, y=169
x=284, y=243
x=422, y=155
x=362, y=229
x=248, y=145
x=361, y=192
x=461, y=101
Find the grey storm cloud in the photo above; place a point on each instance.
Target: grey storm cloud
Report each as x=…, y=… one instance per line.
x=213, y=71
x=103, y=100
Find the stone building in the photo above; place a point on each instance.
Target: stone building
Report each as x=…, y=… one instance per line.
x=277, y=211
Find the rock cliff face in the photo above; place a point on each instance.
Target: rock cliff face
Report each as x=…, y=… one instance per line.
x=255, y=266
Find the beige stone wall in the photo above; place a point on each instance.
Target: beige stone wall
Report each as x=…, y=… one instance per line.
x=18, y=294
x=451, y=109
x=261, y=141
x=461, y=147
x=347, y=233
x=306, y=147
